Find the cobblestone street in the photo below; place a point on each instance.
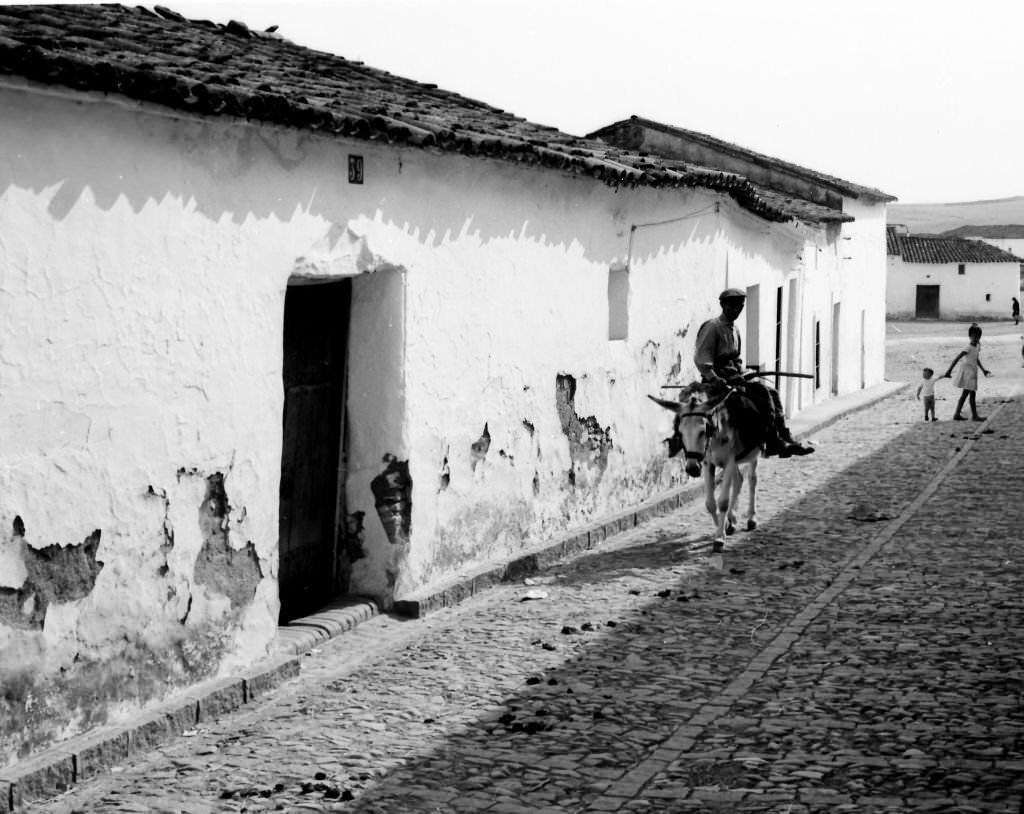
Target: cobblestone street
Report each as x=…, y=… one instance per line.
x=862, y=651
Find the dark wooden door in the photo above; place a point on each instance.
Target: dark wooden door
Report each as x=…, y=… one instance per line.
x=778, y=334
x=315, y=334
x=927, y=306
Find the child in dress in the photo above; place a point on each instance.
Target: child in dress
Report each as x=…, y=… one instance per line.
x=967, y=374
x=926, y=389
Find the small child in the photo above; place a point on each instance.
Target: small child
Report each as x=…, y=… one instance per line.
x=927, y=389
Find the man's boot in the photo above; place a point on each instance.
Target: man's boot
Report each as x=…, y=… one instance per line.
x=790, y=446
x=773, y=444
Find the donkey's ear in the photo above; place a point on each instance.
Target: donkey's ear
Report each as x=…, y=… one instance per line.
x=674, y=406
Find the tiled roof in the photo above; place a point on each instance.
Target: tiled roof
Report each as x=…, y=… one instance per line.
x=799, y=208
x=209, y=69
x=922, y=249
x=804, y=210
x=837, y=184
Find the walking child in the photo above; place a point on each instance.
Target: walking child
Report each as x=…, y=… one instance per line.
x=926, y=391
x=967, y=374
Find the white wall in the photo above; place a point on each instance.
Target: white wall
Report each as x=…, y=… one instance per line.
x=844, y=265
x=499, y=311
x=961, y=296
x=143, y=271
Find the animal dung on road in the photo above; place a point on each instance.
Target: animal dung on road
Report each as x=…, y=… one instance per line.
x=866, y=513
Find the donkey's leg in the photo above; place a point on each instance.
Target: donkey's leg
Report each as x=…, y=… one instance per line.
x=709, y=492
x=724, y=499
x=734, y=496
x=752, y=496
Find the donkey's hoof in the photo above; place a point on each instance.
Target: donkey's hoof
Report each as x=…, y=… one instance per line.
x=730, y=528
x=751, y=525
x=717, y=546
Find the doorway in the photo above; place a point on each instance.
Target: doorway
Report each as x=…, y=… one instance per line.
x=778, y=335
x=316, y=323
x=834, y=389
x=794, y=351
x=927, y=305
x=863, y=352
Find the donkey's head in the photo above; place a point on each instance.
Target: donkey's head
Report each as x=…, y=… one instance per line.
x=691, y=429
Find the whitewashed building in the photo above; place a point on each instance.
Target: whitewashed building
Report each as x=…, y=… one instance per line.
x=824, y=312
x=279, y=326
x=948, y=277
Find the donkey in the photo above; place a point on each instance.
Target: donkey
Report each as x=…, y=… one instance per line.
x=719, y=428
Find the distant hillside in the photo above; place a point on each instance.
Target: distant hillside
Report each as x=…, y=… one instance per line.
x=995, y=231
x=938, y=218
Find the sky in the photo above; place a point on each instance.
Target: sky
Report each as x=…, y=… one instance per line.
x=923, y=100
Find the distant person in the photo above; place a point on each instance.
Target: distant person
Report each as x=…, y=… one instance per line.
x=926, y=390
x=1015, y=311
x=967, y=374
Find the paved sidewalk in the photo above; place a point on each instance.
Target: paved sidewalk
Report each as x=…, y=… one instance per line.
x=862, y=651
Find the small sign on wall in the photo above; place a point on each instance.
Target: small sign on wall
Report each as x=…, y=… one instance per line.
x=355, y=169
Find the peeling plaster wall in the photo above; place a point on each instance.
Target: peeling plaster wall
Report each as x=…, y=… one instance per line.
x=376, y=423
x=144, y=260
x=498, y=323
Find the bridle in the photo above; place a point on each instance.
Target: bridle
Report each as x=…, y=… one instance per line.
x=707, y=414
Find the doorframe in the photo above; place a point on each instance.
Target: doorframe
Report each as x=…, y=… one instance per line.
x=752, y=351
x=794, y=355
x=340, y=502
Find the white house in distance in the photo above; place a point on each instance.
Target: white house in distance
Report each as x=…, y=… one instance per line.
x=825, y=315
x=280, y=326
x=948, y=277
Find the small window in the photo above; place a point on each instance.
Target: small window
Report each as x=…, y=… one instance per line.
x=618, y=302
x=961, y=269
x=988, y=298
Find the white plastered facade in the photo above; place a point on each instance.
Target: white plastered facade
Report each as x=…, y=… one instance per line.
x=982, y=291
x=144, y=263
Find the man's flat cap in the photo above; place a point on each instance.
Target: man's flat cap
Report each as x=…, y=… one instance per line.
x=733, y=294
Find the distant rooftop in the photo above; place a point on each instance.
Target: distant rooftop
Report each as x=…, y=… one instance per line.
x=932, y=249
x=159, y=56
x=614, y=132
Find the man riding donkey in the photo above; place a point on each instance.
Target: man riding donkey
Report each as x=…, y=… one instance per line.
x=717, y=355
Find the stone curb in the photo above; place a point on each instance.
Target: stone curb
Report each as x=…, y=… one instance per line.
x=340, y=616
x=58, y=768
x=806, y=423
x=463, y=586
